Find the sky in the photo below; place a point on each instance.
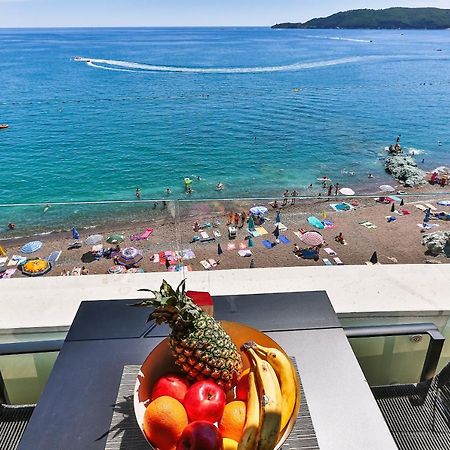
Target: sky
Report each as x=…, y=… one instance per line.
x=93, y=13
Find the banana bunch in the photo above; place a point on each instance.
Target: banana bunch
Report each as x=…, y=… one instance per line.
x=271, y=397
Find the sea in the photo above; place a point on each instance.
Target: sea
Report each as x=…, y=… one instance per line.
x=94, y=113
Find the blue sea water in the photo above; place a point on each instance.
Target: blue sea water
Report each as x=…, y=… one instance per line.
x=260, y=110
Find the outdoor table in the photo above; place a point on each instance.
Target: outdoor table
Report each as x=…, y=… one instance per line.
x=76, y=407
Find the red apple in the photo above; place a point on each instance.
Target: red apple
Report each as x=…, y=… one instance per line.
x=205, y=400
x=200, y=435
x=172, y=385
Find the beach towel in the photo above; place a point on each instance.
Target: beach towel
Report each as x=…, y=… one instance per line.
x=367, y=224
x=231, y=246
x=338, y=261
x=391, y=218
x=330, y=251
x=282, y=227
x=284, y=240
x=405, y=212
x=254, y=233
x=213, y=262
x=244, y=253
x=217, y=233
x=298, y=234
x=204, y=235
x=339, y=207
x=54, y=256
x=427, y=226
x=327, y=262
x=17, y=260
x=2, y=251
x=187, y=254
x=421, y=207
x=142, y=236
x=267, y=244
x=315, y=222
x=433, y=208
x=205, y=264
x=328, y=224
x=156, y=257
x=394, y=198
x=261, y=231
x=7, y=273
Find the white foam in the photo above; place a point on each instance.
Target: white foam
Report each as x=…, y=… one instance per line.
x=415, y=151
x=117, y=65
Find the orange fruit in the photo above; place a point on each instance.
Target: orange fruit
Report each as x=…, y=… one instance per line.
x=230, y=444
x=233, y=420
x=242, y=386
x=164, y=420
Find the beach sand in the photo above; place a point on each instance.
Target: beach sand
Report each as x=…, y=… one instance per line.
x=395, y=242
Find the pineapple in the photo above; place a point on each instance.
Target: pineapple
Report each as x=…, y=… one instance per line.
x=201, y=347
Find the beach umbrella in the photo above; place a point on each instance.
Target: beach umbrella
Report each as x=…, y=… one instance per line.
x=278, y=218
x=374, y=258
x=386, y=188
x=444, y=203
x=75, y=233
x=393, y=207
x=129, y=257
x=117, y=269
x=219, y=249
x=258, y=210
x=93, y=239
x=36, y=267
x=347, y=191
x=312, y=238
x=31, y=247
x=115, y=239
x=251, y=223
x=276, y=232
x=250, y=242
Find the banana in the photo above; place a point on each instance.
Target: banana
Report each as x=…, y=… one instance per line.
x=286, y=376
x=250, y=433
x=269, y=402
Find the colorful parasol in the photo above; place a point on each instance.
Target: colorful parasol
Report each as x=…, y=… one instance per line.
x=36, y=267
x=312, y=238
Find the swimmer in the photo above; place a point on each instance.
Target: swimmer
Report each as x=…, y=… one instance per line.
x=189, y=190
x=47, y=207
x=370, y=175
x=310, y=186
x=439, y=143
x=352, y=173
x=138, y=193
x=219, y=186
x=11, y=226
x=168, y=191
x=423, y=160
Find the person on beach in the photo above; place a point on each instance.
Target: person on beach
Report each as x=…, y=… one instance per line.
x=189, y=190
x=296, y=248
x=398, y=139
x=274, y=204
x=196, y=226
x=285, y=197
x=219, y=186
x=230, y=218
x=243, y=218
x=310, y=186
x=336, y=189
x=423, y=160
x=236, y=219
x=293, y=195
x=330, y=188
x=155, y=205
x=138, y=193
x=84, y=271
x=340, y=238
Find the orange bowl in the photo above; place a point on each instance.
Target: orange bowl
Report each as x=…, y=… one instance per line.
x=160, y=362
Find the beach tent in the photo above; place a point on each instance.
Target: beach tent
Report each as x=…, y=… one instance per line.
x=386, y=188
x=347, y=191
x=115, y=239
x=129, y=257
x=36, y=267
x=94, y=239
x=31, y=247
x=312, y=238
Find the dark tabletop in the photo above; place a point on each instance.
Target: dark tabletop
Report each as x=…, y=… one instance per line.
x=75, y=409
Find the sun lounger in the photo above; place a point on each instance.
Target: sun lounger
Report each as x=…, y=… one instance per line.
x=330, y=251
x=338, y=261
x=217, y=233
x=267, y=244
x=16, y=260
x=205, y=264
x=421, y=207
x=427, y=226
x=261, y=231
x=244, y=253
x=284, y=240
x=367, y=224
x=3, y=260
x=54, y=256
x=143, y=236
x=433, y=208
x=327, y=262
x=187, y=254
x=213, y=262
x=298, y=234
x=204, y=235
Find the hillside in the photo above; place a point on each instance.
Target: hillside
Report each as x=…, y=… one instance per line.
x=391, y=18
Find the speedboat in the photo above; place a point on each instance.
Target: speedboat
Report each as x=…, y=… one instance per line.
x=3, y=126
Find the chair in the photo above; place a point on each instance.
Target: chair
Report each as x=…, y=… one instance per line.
x=418, y=415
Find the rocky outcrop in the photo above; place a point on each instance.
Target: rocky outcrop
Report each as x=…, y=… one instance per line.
x=437, y=243
x=404, y=168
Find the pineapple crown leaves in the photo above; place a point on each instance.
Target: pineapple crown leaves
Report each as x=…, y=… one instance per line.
x=172, y=306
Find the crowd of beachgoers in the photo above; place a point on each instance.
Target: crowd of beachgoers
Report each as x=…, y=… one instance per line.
x=332, y=229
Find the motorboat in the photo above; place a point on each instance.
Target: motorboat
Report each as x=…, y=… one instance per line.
x=3, y=126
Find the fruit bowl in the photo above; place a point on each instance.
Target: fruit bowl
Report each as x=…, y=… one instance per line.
x=160, y=362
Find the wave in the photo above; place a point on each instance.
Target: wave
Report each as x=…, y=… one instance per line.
x=336, y=38
x=415, y=151
x=127, y=66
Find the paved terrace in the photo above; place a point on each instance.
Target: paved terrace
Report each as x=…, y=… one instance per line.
x=51, y=302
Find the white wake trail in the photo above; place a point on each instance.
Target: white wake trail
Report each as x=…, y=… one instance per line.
x=117, y=65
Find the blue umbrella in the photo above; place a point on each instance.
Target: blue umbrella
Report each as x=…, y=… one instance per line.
x=258, y=210
x=31, y=247
x=75, y=233
x=278, y=219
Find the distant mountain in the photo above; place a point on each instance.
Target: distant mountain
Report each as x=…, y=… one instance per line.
x=391, y=18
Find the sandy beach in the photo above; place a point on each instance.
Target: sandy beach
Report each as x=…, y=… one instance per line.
x=395, y=242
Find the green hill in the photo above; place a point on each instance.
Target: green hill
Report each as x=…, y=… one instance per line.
x=391, y=18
